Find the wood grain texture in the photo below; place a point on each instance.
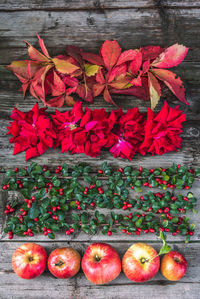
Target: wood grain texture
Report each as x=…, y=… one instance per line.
x=89, y=29
x=94, y=4
x=79, y=287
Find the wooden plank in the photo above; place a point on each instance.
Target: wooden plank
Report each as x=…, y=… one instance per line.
x=79, y=287
x=132, y=28
x=91, y=4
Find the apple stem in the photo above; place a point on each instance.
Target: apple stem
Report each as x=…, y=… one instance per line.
x=144, y=260
x=59, y=263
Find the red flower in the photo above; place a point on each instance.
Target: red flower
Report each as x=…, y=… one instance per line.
x=99, y=132
x=130, y=134
x=32, y=132
x=70, y=128
x=162, y=130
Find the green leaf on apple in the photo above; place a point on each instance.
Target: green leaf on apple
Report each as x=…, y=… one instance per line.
x=165, y=248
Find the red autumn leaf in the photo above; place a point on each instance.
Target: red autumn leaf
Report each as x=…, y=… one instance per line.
x=171, y=57
x=173, y=82
x=120, y=83
x=97, y=89
x=145, y=66
x=57, y=101
x=154, y=90
x=42, y=46
x=19, y=67
x=69, y=101
x=126, y=56
x=35, y=54
x=151, y=52
x=141, y=92
x=135, y=64
x=107, y=96
x=92, y=58
x=110, y=51
x=136, y=81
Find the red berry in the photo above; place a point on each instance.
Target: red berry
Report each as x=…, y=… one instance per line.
x=140, y=169
x=31, y=234
x=16, y=169
x=25, y=167
x=191, y=233
x=45, y=233
x=29, y=205
x=20, y=185
x=124, y=207
x=92, y=204
x=120, y=170
x=12, y=210
x=137, y=233
x=10, y=237
x=185, y=198
x=25, y=233
x=4, y=187
x=77, y=202
x=151, y=170
x=49, y=230
x=166, y=229
x=141, y=197
x=164, y=182
x=130, y=216
x=6, y=212
x=146, y=231
x=139, y=229
x=146, y=184
x=44, y=228
x=138, y=215
x=178, y=166
x=49, y=212
x=100, y=190
x=35, y=187
x=109, y=233
x=177, y=231
x=149, y=209
x=152, y=230
x=24, y=213
x=36, y=219
x=33, y=198
x=71, y=230
x=187, y=187
x=78, y=207
x=100, y=171
x=173, y=198
x=54, y=209
x=67, y=232
x=161, y=229
x=174, y=234
x=128, y=233
x=166, y=210
x=160, y=211
x=123, y=231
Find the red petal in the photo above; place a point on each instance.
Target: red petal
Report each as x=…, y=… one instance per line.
x=110, y=51
x=171, y=57
x=31, y=152
x=173, y=82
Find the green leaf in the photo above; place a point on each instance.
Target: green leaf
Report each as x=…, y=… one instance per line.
x=165, y=248
x=34, y=211
x=51, y=236
x=61, y=215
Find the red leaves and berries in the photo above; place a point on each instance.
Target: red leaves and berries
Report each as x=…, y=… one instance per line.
x=138, y=72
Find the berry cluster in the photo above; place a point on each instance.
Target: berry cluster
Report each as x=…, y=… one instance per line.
x=49, y=195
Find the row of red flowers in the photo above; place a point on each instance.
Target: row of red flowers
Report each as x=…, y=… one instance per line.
x=139, y=72
x=88, y=131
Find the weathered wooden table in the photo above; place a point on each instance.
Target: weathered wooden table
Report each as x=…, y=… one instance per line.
x=87, y=24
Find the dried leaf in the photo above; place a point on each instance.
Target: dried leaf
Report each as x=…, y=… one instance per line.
x=110, y=51
x=97, y=89
x=171, y=57
x=154, y=90
x=151, y=52
x=173, y=82
x=107, y=96
x=19, y=67
x=63, y=66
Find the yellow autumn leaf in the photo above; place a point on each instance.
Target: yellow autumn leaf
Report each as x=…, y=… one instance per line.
x=154, y=90
x=91, y=69
x=63, y=66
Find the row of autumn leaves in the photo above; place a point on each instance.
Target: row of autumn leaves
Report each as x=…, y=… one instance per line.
x=88, y=131
x=139, y=72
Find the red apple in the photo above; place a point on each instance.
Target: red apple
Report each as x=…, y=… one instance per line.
x=140, y=262
x=29, y=260
x=64, y=262
x=173, y=265
x=101, y=263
